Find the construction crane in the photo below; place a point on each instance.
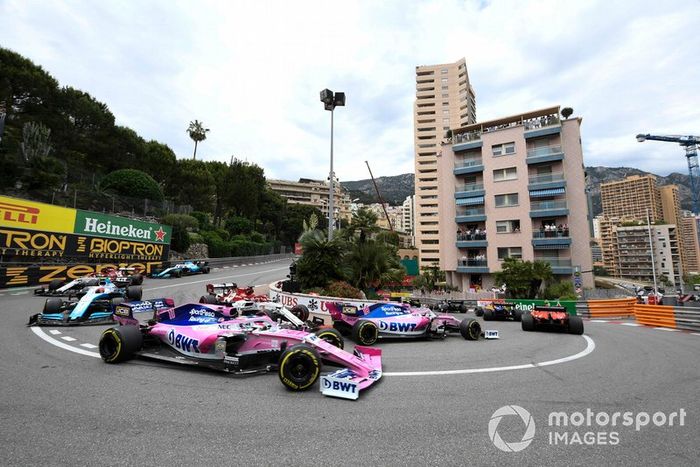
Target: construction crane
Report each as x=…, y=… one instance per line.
x=690, y=143
x=381, y=200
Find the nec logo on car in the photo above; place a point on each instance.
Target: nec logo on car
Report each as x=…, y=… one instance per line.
x=340, y=386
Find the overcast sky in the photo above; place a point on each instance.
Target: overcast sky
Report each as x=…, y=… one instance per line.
x=252, y=72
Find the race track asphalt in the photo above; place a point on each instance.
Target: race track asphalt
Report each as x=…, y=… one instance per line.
x=60, y=407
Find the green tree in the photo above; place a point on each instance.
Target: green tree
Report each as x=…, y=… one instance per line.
x=35, y=141
x=132, y=183
x=197, y=133
x=523, y=279
x=321, y=261
x=159, y=161
x=372, y=263
x=192, y=184
x=364, y=223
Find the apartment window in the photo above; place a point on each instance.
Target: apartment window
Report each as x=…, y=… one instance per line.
x=444, y=103
x=445, y=121
x=510, y=252
x=503, y=149
x=444, y=80
x=508, y=199
x=445, y=96
x=443, y=71
x=509, y=226
x=446, y=112
x=444, y=88
x=509, y=173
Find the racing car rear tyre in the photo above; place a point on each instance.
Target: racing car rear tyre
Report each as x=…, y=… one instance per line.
x=301, y=312
x=462, y=308
x=206, y=269
x=478, y=311
x=299, y=368
x=210, y=299
x=528, y=322
x=136, y=279
x=332, y=336
x=470, y=329
x=575, y=325
x=134, y=293
x=55, y=284
x=119, y=344
x=518, y=315
x=488, y=315
x=177, y=273
x=53, y=305
x=365, y=332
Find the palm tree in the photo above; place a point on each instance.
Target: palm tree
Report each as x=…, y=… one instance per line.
x=372, y=263
x=321, y=261
x=364, y=221
x=198, y=133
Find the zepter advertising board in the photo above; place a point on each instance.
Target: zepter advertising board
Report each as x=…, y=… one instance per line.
x=40, y=242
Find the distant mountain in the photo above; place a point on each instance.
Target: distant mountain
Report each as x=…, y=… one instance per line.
x=395, y=189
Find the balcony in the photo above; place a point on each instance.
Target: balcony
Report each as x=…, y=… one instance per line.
x=474, y=266
x=468, y=140
x=470, y=215
x=472, y=240
x=548, y=209
x=558, y=265
x=551, y=240
x=544, y=154
x=469, y=190
x=546, y=182
x=468, y=166
x=542, y=126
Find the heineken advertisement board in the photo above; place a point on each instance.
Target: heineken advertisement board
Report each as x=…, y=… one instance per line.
x=529, y=305
x=40, y=242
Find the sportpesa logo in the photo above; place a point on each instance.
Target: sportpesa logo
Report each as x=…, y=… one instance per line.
x=524, y=416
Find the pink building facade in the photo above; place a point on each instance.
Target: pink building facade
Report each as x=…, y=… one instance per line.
x=514, y=187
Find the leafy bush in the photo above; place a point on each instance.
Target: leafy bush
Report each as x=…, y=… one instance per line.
x=218, y=247
x=202, y=219
x=195, y=238
x=238, y=225
x=181, y=239
x=133, y=183
x=182, y=220
x=563, y=290
x=342, y=289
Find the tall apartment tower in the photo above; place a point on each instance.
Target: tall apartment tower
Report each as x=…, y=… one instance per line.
x=689, y=245
x=514, y=187
x=631, y=197
x=409, y=217
x=444, y=101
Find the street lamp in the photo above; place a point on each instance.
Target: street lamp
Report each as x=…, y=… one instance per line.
x=330, y=101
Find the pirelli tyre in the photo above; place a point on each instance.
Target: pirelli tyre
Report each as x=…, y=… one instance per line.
x=134, y=293
x=488, y=314
x=332, y=336
x=528, y=322
x=301, y=312
x=365, y=332
x=299, y=367
x=470, y=329
x=120, y=344
x=518, y=315
x=136, y=279
x=55, y=284
x=478, y=311
x=575, y=325
x=210, y=299
x=177, y=273
x=53, y=305
x=206, y=269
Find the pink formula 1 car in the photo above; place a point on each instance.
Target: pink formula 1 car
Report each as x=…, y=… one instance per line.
x=210, y=336
x=398, y=320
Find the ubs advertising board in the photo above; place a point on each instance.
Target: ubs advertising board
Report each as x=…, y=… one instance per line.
x=41, y=242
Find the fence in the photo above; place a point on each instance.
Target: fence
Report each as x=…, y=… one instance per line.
x=666, y=316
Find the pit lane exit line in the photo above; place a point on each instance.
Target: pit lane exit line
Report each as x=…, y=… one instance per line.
x=60, y=344
x=590, y=347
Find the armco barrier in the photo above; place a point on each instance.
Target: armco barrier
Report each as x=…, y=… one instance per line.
x=687, y=318
x=655, y=315
x=610, y=308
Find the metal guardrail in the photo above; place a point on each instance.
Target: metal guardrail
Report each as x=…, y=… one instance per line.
x=238, y=260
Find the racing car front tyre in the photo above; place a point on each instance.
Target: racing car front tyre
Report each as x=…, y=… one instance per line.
x=365, y=332
x=462, y=308
x=206, y=269
x=470, y=329
x=527, y=322
x=119, y=344
x=134, y=293
x=177, y=273
x=478, y=311
x=210, y=299
x=53, y=305
x=55, y=284
x=332, y=336
x=299, y=368
x=136, y=279
x=301, y=312
x=575, y=325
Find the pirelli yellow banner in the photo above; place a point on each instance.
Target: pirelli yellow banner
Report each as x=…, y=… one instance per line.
x=23, y=214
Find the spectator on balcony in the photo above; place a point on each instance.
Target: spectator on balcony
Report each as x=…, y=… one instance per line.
x=463, y=261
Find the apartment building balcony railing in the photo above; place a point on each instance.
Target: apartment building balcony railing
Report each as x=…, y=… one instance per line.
x=472, y=240
x=474, y=266
x=467, y=166
x=546, y=181
x=551, y=240
x=470, y=215
x=544, y=154
x=542, y=126
x=548, y=208
x=558, y=265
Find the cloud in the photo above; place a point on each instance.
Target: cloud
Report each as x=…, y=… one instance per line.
x=252, y=72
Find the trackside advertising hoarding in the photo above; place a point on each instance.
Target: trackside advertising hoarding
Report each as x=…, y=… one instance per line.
x=40, y=242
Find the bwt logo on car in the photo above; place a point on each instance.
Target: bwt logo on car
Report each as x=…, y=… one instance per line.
x=340, y=386
x=397, y=327
x=183, y=343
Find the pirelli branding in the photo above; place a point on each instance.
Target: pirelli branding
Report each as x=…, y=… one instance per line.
x=41, y=235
